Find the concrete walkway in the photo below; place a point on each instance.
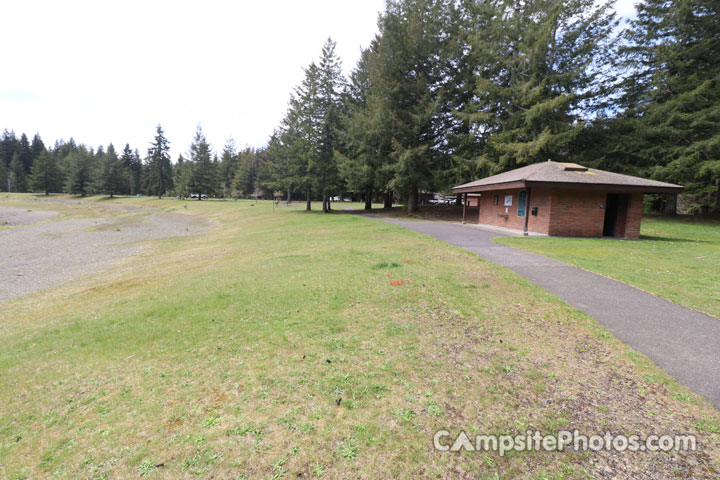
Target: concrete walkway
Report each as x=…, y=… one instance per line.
x=684, y=342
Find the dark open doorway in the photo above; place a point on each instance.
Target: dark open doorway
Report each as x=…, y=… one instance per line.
x=616, y=207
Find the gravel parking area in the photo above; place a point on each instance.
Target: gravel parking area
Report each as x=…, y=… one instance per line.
x=12, y=216
x=41, y=255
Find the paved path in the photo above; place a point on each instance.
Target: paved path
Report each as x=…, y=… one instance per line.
x=684, y=342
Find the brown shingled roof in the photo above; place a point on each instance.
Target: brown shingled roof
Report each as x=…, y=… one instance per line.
x=566, y=175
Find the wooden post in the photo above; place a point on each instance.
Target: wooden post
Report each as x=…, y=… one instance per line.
x=528, y=212
x=464, y=204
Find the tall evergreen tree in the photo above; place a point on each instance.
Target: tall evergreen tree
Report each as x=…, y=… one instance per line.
x=300, y=134
x=330, y=86
x=363, y=158
x=159, y=174
x=406, y=78
x=113, y=177
x=202, y=177
x=538, y=67
x=273, y=173
x=37, y=146
x=8, y=144
x=45, y=176
x=133, y=167
x=4, y=176
x=246, y=174
x=79, y=176
x=18, y=177
x=25, y=154
x=228, y=166
x=182, y=174
x=670, y=117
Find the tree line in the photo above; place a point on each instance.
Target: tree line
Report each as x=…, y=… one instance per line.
x=69, y=167
x=449, y=91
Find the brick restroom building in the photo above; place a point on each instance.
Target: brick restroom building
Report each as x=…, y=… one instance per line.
x=562, y=199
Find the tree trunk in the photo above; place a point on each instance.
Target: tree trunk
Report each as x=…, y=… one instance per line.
x=289, y=197
x=368, y=200
x=325, y=202
x=388, y=199
x=307, y=206
x=412, y=203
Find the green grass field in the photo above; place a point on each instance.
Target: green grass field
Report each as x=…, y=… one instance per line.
x=286, y=344
x=677, y=258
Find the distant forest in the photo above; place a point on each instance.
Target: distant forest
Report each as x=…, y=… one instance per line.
x=447, y=92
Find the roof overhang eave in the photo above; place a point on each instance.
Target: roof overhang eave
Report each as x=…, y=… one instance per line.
x=492, y=186
x=609, y=187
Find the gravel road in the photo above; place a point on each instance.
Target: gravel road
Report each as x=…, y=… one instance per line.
x=37, y=256
x=13, y=216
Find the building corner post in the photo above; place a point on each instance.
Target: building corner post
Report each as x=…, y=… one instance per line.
x=528, y=211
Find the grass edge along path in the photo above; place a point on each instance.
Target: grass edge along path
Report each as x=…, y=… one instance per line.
x=677, y=258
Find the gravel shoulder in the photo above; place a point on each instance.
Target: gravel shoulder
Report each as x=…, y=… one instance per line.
x=45, y=251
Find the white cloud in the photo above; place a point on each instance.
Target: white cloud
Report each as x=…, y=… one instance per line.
x=110, y=71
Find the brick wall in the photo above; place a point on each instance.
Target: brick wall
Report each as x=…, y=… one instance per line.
x=495, y=215
x=634, y=216
x=564, y=213
x=577, y=213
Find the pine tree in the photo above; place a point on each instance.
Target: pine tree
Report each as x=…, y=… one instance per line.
x=273, y=171
x=37, y=146
x=159, y=174
x=366, y=143
x=25, y=154
x=330, y=85
x=202, y=177
x=300, y=134
x=78, y=177
x=133, y=168
x=18, y=177
x=228, y=166
x=406, y=77
x=245, y=176
x=182, y=174
x=8, y=144
x=113, y=175
x=45, y=176
x=670, y=110
x=4, y=176
x=539, y=67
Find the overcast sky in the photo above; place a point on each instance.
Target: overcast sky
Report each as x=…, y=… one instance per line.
x=106, y=72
